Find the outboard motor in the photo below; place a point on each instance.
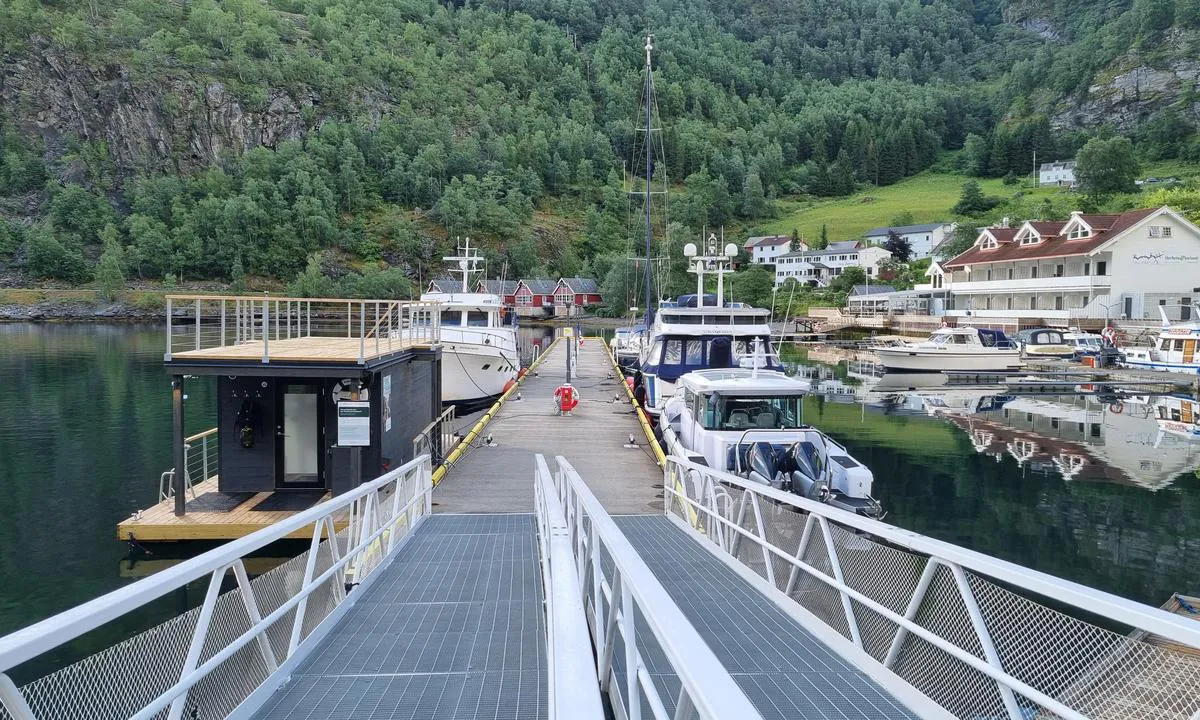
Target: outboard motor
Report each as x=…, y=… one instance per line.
x=720, y=352
x=762, y=464
x=807, y=470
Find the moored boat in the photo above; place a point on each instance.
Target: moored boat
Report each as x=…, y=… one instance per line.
x=1175, y=350
x=962, y=349
x=1044, y=343
x=750, y=422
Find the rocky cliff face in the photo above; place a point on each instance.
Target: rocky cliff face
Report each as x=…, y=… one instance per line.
x=177, y=123
x=1125, y=99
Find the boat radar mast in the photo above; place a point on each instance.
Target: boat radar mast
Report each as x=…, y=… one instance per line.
x=649, y=93
x=710, y=262
x=466, y=262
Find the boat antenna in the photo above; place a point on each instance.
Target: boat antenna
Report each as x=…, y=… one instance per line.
x=649, y=173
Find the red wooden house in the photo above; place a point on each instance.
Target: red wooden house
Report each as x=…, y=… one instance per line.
x=506, y=289
x=535, y=296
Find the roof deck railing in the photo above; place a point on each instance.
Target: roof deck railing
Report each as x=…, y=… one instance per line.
x=209, y=660
x=979, y=636
x=628, y=608
x=264, y=324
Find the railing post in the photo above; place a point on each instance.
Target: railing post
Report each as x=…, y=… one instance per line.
x=376, y=327
x=985, y=639
x=197, y=324
x=266, y=324
x=222, y=322
x=349, y=318
x=633, y=694
x=204, y=450
x=362, y=331
x=198, y=637
x=167, y=355
x=13, y=700
x=251, y=604
x=310, y=567
x=308, y=318
x=910, y=613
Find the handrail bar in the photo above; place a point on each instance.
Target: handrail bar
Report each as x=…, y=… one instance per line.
x=573, y=690
x=31, y=641
x=710, y=689
x=284, y=298
x=1098, y=602
x=200, y=435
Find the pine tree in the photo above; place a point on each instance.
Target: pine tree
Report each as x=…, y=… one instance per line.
x=237, y=276
x=754, y=203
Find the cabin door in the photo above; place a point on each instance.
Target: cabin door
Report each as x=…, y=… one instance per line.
x=298, y=456
x=1189, y=351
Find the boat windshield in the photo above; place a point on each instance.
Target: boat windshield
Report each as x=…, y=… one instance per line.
x=746, y=413
x=948, y=339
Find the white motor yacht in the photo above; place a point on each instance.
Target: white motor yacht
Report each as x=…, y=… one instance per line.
x=750, y=422
x=479, y=349
x=962, y=349
x=626, y=346
x=1175, y=350
x=702, y=331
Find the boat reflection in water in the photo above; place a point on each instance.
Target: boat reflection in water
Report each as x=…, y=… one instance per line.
x=1142, y=440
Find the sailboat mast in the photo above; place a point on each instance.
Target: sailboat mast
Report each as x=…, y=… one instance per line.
x=649, y=163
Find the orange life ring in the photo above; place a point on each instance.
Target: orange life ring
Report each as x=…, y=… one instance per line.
x=1116, y=408
x=566, y=398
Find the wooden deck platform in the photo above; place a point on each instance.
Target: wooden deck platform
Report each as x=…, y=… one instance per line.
x=499, y=478
x=301, y=349
x=160, y=524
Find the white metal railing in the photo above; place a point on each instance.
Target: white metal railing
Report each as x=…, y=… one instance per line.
x=620, y=594
x=979, y=636
x=205, y=662
x=572, y=688
x=201, y=461
x=366, y=328
x=439, y=437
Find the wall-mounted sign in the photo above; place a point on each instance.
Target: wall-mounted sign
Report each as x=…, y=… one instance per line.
x=1165, y=259
x=354, y=423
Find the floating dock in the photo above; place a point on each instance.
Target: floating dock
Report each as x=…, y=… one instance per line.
x=494, y=477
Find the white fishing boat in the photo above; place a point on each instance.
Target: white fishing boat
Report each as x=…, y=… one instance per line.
x=962, y=349
x=1044, y=343
x=626, y=346
x=479, y=349
x=1175, y=350
x=750, y=422
x=699, y=332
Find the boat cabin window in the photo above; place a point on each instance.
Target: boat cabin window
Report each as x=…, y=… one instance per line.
x=732, y=413
x=950, y=339
x=1048, y=338
x=1178, y=346
x=673, y=353
x=1164, y=344
x=452, y=317
x=477, y=318
x=693, y=352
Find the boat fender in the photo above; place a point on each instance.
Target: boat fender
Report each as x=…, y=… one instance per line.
x=1117, y=408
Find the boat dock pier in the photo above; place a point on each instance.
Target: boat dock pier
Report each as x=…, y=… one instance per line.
x=521, y=587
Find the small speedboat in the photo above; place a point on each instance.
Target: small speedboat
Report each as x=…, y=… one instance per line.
x=960, y=349
x=749, y=422
x=1044, y=343
x=626, y=346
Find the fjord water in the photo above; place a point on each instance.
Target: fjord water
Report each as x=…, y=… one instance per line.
x=85, y=432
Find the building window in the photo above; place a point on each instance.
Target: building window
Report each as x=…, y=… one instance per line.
x=1010, y=302
x=1087, y=268
x=1058, y=271
x=1030, y=239
x=1160, y=231
x=1010, y=273
x=1102, y=268
x=524, y=299
x=1079, y=232
x=1033, y=271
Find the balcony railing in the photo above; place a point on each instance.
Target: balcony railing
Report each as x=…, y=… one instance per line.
x=276, y=326
x=201, y=461
x=1038, y=284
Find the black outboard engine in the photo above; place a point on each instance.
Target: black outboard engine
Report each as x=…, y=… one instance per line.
x=762, y=463
x=720, y=352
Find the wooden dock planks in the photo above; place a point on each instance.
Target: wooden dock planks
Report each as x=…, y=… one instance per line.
x=302, y=349
x=592, y=439
x=160, y=524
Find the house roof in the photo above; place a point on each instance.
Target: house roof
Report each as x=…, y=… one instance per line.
x=582, y=286
x=1063, y=165
x=767, y=241
x=1053, y=244
x=872, y=289
x=903, y=229
x=446, y=283
x=540, y=286
x=499, y=287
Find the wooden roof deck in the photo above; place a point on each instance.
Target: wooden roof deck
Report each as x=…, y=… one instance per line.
x=301, y=349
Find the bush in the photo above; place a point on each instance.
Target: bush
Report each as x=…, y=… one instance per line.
x=1011, y=178
x=47, y=257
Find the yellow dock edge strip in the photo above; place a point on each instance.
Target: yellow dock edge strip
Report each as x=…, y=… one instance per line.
x=477, y=429
x=659, y=456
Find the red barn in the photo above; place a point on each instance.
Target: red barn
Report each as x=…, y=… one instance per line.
x=535, y=296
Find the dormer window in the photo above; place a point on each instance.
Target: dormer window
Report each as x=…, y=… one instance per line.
x=1079, y=232
x=989, y=243
x=1031, y=239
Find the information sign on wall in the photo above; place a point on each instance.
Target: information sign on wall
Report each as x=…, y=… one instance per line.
x=354, y=423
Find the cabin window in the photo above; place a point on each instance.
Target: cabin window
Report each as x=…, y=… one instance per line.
x=673, y=353
x=693, y=352
x=452, y=317
x=757, y=412
x=656, y=352
x=477, y=318
x=1178, y=346
x=1164, y=345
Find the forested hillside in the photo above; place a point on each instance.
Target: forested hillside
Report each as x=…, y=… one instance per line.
x=224, y=139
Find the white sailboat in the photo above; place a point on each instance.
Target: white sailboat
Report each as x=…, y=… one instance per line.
x=479, y=351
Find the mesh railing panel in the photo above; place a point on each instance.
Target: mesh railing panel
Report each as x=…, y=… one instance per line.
x=1096, y=671
x=119, y=681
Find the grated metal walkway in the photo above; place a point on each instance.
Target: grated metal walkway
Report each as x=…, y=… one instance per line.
x=784, y=670
x=453, y=628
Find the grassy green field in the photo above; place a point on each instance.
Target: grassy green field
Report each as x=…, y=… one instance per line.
x=928, y=196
